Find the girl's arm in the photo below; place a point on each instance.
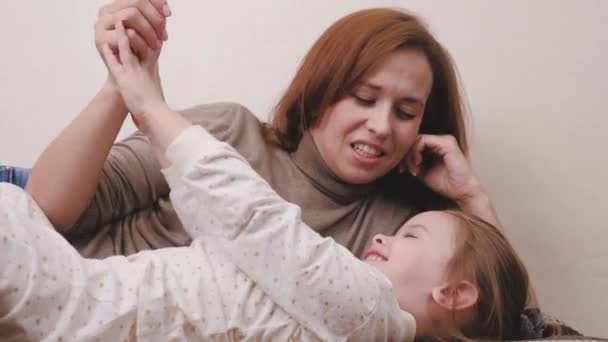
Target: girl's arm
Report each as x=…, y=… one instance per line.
x=220, y=198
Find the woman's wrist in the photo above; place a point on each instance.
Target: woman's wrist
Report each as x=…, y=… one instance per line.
x=111, y=94
x=475, y=202
x=480, y=204
x=109, y=86
x=474, y=197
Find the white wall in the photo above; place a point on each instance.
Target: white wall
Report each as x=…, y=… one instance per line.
x=535, y=73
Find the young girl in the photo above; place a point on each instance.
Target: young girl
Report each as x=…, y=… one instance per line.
x=254, y=271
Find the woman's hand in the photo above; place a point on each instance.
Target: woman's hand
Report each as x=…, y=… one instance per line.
x=137, y=78
x=440, y=164
x=145, y=26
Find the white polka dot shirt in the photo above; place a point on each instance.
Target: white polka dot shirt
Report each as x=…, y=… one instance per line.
x=254, y=270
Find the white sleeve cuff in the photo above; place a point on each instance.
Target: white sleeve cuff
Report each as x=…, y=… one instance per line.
x=185, y=150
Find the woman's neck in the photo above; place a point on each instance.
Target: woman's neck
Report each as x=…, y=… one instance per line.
x=308, y=159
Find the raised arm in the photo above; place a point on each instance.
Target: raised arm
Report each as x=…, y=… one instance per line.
x=64, y=178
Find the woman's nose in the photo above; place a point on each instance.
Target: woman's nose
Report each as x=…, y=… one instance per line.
x=379, y=122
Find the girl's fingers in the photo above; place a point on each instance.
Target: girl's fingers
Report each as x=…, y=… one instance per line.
x=111, y=60
x=124, y=49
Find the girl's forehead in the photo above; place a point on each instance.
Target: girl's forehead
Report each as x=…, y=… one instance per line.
x=432, y=221
x=441, y=229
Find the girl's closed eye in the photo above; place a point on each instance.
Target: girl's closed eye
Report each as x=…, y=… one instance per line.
x=409, y=235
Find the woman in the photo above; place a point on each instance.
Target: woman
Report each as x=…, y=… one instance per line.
x=374, y=88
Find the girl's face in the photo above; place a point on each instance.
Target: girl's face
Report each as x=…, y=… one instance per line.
x=367, y=133
x=415, y=259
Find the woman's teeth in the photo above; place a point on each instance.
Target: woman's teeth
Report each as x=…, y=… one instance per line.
x=366, y=150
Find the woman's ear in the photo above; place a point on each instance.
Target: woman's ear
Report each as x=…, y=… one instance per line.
x=456, y=296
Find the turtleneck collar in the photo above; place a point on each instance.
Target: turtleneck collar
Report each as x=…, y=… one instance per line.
x=308, y=159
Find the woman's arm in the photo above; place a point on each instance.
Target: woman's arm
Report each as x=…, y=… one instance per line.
x=65, y=176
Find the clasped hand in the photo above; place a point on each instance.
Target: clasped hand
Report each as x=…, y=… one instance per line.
x=136, y=76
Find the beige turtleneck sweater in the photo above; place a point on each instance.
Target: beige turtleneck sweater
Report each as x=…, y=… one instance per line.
x=131, y=210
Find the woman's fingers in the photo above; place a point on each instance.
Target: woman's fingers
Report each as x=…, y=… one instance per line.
x=436, y=146
x=133, y=19
x=162, y=7
x=414, y=158
x=153, y=11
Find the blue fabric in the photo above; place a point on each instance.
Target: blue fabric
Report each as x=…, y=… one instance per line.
x=14, y=175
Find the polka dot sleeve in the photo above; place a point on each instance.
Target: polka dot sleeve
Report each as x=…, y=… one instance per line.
x=47, y=290
x=317, y=281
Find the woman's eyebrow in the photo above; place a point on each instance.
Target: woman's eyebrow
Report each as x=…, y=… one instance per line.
x=412, y=100
x=368, y=84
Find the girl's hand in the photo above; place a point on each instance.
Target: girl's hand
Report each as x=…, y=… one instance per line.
x=440, y=164
x=137, y=78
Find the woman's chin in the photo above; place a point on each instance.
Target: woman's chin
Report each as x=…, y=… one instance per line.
x=359, y=177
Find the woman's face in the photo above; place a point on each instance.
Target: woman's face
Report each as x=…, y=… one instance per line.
x=367, y=133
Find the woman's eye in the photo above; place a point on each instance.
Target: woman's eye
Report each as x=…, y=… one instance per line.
x=404, y=115
x=363, y=100
x=410, y=236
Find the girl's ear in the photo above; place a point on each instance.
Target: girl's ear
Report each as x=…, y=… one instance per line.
x=457, y=296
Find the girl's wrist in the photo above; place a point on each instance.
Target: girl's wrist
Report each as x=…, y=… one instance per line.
x=153, y=113
x=161, y=124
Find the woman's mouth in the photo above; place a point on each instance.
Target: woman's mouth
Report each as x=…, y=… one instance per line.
x=367, y=151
